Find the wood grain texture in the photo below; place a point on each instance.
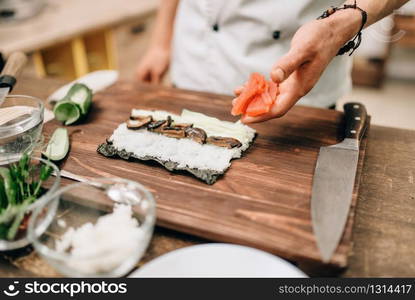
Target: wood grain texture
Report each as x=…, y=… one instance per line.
x=383, y=243
x=264, y=198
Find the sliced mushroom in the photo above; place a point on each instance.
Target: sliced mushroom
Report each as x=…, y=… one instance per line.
x=182, y=125
x=139, y=123
x=196, y=134
x=174, y=132
x=156, y=124
x=160, y=128
x=140, y=118
x=224, y=142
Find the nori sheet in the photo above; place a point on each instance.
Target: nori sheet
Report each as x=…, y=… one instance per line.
x=208, y=176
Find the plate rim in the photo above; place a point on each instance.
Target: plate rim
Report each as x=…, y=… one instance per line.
x=296, y=272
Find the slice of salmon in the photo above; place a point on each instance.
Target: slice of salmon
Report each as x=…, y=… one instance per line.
x=256, y=98
x=258, y=107
x=266, y=96
x=255, y=85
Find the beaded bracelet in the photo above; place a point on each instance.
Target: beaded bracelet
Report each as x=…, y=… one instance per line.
x=353, y=44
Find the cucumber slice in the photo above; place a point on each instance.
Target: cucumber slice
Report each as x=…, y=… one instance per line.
x=67, y=111
x=81, y=95
x=58, y=145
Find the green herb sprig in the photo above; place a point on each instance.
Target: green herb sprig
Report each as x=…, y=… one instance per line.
x=18, y=189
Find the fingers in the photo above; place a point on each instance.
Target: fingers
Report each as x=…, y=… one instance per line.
x=290, y=62
x=278, y=75
x=149, y=75
x=143, y=74
x=155, y=77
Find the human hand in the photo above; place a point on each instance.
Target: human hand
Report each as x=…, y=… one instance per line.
x=313, y=46
x=153, y=65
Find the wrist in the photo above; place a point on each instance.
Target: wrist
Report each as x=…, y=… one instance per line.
x=160, y=48
x=345, y=24
x=160, y=42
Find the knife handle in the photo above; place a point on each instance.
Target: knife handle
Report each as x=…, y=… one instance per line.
x=356, y=120
x=14, y=65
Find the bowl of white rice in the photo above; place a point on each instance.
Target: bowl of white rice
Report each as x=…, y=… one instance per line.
x=101, y=228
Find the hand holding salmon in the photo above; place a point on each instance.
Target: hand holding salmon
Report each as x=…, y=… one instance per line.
x=256, y=97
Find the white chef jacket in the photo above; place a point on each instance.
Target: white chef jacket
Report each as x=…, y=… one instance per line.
x=218, y=43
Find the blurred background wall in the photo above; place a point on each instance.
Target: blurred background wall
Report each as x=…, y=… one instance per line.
x=384, y=70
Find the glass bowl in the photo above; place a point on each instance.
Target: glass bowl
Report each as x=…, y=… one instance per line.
x=46, y=207
x=101, y=229
x=20, y=134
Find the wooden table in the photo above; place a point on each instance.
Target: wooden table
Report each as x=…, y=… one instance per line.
x=383, y=230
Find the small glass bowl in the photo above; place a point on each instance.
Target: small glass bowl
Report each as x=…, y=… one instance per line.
x=82, y=203
x=46, y=207
x=20, y=135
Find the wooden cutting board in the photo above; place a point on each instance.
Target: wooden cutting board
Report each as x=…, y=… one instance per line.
x=263, y=200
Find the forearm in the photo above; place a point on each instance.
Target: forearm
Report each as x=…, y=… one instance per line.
x=378, y=9
x=346, y=23
x=163, y=28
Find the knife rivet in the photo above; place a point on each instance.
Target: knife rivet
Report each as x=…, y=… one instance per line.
x=353, y=131
x=356, y=106
x=357, y=118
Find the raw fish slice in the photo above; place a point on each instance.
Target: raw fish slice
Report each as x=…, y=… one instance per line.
x=266, y=96
x=255, y=86
x=256, y=98
x=258, y=107
x=262, y=85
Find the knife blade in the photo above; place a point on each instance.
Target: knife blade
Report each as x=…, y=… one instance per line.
x=333, y=182
x=11, y=70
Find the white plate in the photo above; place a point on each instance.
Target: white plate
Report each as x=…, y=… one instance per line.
x=218, y=260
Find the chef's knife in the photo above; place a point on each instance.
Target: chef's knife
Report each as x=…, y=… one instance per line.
x=11, y=70
x=333, y=182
